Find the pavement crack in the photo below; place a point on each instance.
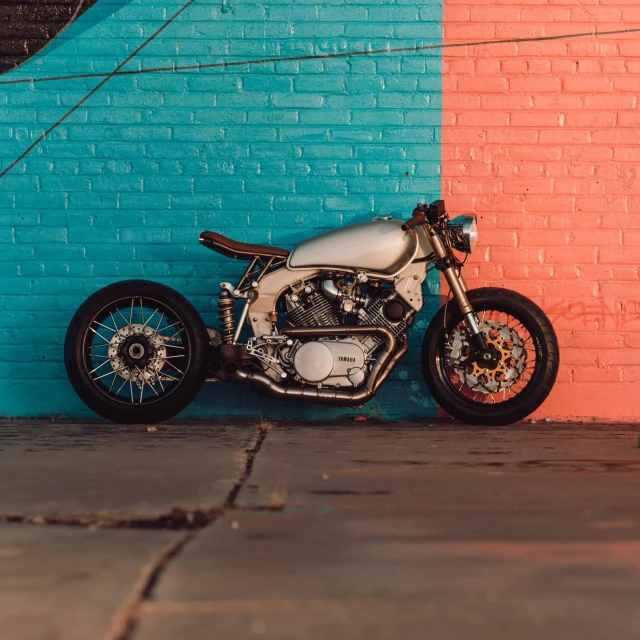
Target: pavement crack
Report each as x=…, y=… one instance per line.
x=177, y=519
x=125, y=621
x=123, y=625
x=251, y=455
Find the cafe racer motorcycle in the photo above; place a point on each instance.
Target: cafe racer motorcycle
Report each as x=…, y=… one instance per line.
x=328, y=323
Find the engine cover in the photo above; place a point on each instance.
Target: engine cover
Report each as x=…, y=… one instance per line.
x=335, y=363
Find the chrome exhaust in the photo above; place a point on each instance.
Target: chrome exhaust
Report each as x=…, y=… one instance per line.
x=214, y=367
x=230, y=368
x=333, y=397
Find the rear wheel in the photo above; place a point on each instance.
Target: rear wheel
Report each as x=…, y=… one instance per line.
x=524, y=366
x=136, y=352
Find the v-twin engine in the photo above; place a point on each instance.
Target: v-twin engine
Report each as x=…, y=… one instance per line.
x=337, y=361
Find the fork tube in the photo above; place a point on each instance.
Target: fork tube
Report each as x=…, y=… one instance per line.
x=463, y=283
x=457, y=285
x=458, y=291
x=456, y=282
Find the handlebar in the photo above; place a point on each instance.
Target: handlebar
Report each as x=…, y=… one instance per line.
x=417, y=218
x=433, y=213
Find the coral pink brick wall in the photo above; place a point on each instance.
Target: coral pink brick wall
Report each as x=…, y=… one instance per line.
x=542, y=141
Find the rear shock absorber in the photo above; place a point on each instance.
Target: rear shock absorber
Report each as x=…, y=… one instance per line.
x=227, y=314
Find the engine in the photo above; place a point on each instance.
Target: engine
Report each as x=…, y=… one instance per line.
x=307, y=307
x=332, y=301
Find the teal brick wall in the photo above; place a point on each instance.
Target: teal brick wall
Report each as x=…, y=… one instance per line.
x=267, y=153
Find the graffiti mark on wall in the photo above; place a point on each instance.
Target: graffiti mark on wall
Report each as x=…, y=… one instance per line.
x=598, y=313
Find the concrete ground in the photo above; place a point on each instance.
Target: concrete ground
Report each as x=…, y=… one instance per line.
x=350, y=530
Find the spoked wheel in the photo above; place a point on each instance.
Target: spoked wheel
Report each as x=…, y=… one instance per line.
x=136, y=352
x=522, y=370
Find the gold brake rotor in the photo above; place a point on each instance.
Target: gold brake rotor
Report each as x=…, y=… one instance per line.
x=505, y=354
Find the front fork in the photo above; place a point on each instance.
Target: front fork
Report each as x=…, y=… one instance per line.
x=459, y=290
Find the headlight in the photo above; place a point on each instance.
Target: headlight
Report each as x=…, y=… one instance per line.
x=463, y=233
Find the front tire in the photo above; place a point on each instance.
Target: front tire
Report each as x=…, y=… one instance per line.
x=525, y=343
x=136, y=352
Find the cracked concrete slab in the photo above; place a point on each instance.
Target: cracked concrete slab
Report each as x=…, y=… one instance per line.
x=63, y=583
x=527, y=531
x=118, y=472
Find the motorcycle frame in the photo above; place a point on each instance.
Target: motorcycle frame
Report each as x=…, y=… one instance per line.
x=266, y=279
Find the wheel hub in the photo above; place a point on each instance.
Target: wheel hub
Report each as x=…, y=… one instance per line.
x=502, y=371
x=138, y=353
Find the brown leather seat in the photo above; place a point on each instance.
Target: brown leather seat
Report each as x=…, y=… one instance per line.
x=239, y=250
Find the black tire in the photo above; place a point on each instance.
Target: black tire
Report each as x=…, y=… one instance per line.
x=543, y=376
x=192, y=357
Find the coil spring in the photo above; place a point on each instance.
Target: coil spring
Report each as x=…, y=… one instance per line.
x=227, y=316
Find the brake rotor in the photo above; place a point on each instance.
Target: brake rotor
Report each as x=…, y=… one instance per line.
x=137, y=352
x=509, y=362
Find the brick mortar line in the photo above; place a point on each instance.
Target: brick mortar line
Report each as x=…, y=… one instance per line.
x=106, y=79
x=126, y=619
x=117, y=71
x=320, y=56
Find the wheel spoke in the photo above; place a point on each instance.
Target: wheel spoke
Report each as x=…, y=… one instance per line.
x=134, y=316
x=143, y=383
x=121, y=387
x=100, y=336
x=104, y=375
x=100, y=365
x=169, y=327
x=159, y=323
x=176, y=368
x=506, y=333
x=149, y=318
x=126, y=321
x=115, y=324
x=105, y=326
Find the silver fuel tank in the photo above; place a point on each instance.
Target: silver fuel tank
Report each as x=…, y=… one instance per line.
x=379, y=247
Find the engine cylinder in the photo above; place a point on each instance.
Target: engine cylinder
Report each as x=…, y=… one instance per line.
x=313, y=310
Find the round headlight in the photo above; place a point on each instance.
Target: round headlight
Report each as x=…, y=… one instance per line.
x=463, y=233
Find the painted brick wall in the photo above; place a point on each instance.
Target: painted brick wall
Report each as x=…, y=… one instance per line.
x=541, y=140
x=269, y=154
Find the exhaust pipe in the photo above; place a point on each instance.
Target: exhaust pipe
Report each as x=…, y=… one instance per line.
x=214, y=367
x=230, y=368
x=334, y=397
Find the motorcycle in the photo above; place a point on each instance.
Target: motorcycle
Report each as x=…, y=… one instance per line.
x=328, y=324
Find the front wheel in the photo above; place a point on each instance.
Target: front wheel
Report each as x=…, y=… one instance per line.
x=524, y=365
x=136, y=352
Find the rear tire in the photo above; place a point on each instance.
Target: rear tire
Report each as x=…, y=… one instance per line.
x=543, y=373
x=182, y=346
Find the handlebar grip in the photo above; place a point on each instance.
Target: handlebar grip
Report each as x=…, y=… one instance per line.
x=416, y=219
